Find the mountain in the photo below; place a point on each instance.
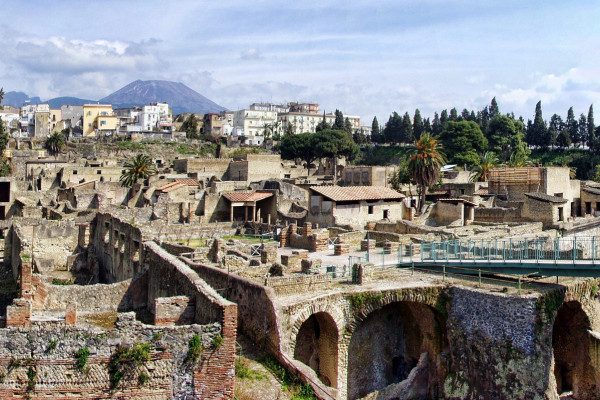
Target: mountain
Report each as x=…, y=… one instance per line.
x=181, y=98
x=17, y=99
x=57, y=102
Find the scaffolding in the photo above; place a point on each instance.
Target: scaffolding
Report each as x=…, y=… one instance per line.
x=500, y=178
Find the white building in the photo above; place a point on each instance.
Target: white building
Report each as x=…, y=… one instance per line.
x=301, y=122
x=155, y=116
x=250, y=124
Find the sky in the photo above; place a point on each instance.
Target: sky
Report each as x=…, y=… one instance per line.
x=366, y=58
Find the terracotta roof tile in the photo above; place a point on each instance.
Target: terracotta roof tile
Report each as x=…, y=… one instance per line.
x=591, y=189
x=458, y=200
x=170, y=186
x=246, y=196
x=356, y=193
x=187, y=181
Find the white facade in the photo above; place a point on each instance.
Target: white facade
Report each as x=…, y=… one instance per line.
x=227, y=127
x=307, y=122
x=155, y=116
x=251, y=124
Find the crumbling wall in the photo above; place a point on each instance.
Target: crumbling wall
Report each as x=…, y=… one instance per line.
x=41, y=362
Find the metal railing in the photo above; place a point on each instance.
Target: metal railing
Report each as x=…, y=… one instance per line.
x=563, y=250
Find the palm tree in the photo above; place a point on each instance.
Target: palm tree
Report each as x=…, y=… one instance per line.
x=55, y=142
x=140, y=167
x=425, y=163
x=481, y=171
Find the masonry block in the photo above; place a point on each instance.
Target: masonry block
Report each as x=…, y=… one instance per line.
x=71, y=314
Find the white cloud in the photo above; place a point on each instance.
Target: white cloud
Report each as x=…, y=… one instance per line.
x=251, y=54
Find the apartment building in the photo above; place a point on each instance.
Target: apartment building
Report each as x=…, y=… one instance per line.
x=250, y=124
x=99, y=120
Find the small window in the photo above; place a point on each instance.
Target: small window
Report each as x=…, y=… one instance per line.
x=74, y=172
x=386, y=214
x=99, y=172
x=371, y=210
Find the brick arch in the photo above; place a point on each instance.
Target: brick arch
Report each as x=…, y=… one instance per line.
x=335, y=313
x=423, y=308
x=430, y=296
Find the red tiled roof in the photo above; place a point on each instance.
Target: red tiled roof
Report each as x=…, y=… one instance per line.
x=246, y=196
x=355, y=193
x=187, y=181
x=170, y=186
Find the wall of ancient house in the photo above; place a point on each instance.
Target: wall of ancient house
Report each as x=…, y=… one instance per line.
x=40, y=362
x=544, y=211
x=446, y=213
x=203, y=168
x=117, y=247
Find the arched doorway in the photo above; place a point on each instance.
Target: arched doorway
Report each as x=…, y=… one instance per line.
x=573, y=368
x=317, y=347
x=388, y=343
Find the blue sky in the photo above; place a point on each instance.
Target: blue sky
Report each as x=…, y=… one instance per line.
x=366, y=58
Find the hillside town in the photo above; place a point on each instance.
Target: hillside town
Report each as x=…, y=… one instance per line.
x=235, y=255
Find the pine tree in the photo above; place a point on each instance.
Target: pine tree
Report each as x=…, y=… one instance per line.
x=591, y=128
x=347, y=125
x=444, y=118
x=339, y=120
x=375, y=131
x=540, y=131
x=485, y=120
x=453, y=115
x=554, y=129
x=436, y=125
x=418, y=125
x=582, y=130
x=464, y=115
x=571, y=125
x=407, y=129
x=494, y=110
x=323, y=125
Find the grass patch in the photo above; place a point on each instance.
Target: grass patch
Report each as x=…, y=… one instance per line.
x=243, y=370
x=52, y=345
x=359, y=300
x=289, y=382
x=126, y=145
x=143, y=378
x=217, y=341
x=251, y=239
x=124, y=359
x=81, y=358
x=31, y=374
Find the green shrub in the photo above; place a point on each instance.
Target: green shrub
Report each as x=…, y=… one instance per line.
x=217, y=341
x=31, y=374
x=195, y=348
x=61, y=282
x=143, y=378
x=52, y=345
x=243, y=370
x=140, y=353
x=81, y=357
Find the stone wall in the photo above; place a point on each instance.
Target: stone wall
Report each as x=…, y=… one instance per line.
x=255, y=303
x=444, y=213
x=40, y=362
x=497, y=214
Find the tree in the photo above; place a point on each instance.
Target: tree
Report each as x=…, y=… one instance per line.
x=481, y=171
x=494, y=110
x=425, y=163
x=190, y=127
x=554, y=129
x=453, y=115
x=1, y=97
x=5, y=168
x=418, y=125
x=464, y=141
x=339, y=121
x=55, y=142
x=336, y=143
x=571, y=125
x=323, y=125
x=347, y=125
x=436, y=125
x=393, y=128
x=406, y=130
x=582, y=130
x=592, y=138
x=539, y=132
x=375, y=137
x=302, y=146
x=141, y=167
x=563, y=140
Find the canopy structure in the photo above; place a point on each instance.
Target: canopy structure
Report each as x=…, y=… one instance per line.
x=246, y=200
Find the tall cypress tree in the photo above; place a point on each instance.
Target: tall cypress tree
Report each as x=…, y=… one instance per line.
x=582, y=129
x=407, y=129
x=339, y=120
x=453, y=115
x=591, y=128
x=444, y=118
x=572, y=126
x=494, y=110
x=485, y=120
x=540, y=131
x=375, y=131
x=418, y=125
x=554, y=129
x=436, y=125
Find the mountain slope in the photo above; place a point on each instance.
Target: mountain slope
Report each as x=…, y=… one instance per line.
x=180, y=97
x=17, y=99
x=57, y=102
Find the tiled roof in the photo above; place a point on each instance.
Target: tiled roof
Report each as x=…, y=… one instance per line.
x=187, y=181
x=355, y=193
x=482, y=192
x=592, y=190
x=546, y=197
x=170, y=186
x=246, y=196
